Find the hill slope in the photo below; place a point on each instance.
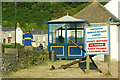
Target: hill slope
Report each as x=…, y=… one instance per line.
x=32, y=14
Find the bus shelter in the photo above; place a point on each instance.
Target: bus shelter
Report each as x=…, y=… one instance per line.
x=60, y=31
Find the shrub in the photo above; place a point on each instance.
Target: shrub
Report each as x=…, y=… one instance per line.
x=46, y=48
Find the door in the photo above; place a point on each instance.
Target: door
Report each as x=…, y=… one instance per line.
x=4, y=41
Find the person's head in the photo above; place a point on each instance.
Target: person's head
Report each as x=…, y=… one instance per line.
x=40, y=44
x=28, y=31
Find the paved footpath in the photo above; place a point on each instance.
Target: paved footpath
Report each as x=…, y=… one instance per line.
x=43, y=71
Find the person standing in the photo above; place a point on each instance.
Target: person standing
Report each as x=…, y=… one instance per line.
x=28, y=37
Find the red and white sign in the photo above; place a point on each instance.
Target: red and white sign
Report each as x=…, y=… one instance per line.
x=97, y=40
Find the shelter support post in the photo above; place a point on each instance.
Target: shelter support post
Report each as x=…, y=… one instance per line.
x=75, y=33
x=66, y=36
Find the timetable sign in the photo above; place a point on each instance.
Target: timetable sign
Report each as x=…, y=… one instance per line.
x=97, y=40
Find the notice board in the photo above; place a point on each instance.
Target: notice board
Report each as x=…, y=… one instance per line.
x=97, y=40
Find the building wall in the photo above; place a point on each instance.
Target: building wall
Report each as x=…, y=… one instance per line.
x=6, y=34
x=35, y=38
x=113, y=7
x=119, y=42
x=114, y=42
x=41, y=38
x=119, y=9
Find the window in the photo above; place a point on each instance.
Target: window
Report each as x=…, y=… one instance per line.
x=75, y=32
x=43, y=38
x=80, y=36
x=71, y=35
x=39, y=38
x=34, y=38
x=4, y=41
x=57, y=33
x=9, y=34
x=4, y=35
x=9, y=41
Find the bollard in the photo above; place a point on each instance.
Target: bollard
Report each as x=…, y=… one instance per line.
x=50, y=52
x=52, y=55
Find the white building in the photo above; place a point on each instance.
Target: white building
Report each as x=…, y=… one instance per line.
x=40, y=37
x=8, y=35
x=114, y=7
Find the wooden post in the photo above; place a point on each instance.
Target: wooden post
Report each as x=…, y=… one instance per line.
x=106, y=58
x=87, y=64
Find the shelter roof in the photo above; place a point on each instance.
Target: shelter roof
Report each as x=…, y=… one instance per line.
x=66, y=19
x=95, y=13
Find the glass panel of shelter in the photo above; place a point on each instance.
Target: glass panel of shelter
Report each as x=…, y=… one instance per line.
x=57, y=33
x=75, y=32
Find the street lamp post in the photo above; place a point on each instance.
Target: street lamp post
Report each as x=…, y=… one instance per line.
x=15, y=24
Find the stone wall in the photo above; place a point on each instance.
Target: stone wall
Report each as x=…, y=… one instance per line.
x=9, y=62
x=13, y=61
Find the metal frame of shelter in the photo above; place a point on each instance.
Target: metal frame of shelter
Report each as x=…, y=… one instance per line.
x=60, y=31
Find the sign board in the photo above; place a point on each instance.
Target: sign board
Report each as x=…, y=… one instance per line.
x=97, y=40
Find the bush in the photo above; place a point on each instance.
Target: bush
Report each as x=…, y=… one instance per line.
x=37, y=57
x=32, y=57
x=19, y=46
x=46, y=48
x=34, y=48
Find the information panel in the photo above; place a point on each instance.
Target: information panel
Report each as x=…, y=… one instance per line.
x=97, y=40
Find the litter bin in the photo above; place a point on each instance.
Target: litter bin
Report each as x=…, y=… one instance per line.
x=52, y=55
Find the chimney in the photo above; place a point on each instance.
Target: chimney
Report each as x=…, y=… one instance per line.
x=18, y=25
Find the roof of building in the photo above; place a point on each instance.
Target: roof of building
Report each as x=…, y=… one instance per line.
x=95, y=13
x=8, y=28
x=66, y=19
x=42, y=31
